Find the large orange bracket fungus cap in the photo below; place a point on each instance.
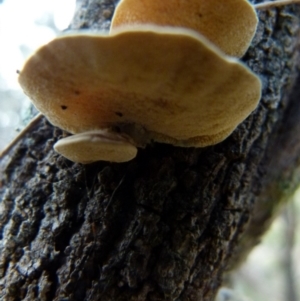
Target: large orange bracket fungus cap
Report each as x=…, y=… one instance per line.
x=229, y=24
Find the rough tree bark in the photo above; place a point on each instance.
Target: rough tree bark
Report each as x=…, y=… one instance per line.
x=170, y=223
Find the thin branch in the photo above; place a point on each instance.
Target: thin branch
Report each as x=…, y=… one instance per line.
x=27, y=129
x=270, y=4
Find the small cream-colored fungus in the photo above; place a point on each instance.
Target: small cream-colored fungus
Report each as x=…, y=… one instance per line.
x=94, y=146
x=229, y=24
x=173, y=83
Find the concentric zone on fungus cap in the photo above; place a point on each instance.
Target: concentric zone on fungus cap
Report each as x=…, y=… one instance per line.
x=229, y=24
x=172, y=82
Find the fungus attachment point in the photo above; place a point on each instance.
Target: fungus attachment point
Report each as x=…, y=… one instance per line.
x=229, y=24
x=95, y=146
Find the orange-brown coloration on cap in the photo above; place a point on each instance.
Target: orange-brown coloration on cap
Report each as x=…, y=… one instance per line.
x=95, y=146
x=193, y=96
x=229, y=24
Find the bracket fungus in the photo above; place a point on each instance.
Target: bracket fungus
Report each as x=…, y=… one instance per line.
x=194, y=96
x=144, y=83
x=97, y=145
x=229, y=24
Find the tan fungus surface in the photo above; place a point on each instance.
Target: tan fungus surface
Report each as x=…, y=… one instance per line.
x=172, y=82
x=229, y=24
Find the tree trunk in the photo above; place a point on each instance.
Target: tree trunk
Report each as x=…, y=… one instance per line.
x=170, y=223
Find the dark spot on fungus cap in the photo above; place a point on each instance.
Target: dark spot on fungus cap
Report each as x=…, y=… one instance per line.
x=119, y=114
x=64, y=107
